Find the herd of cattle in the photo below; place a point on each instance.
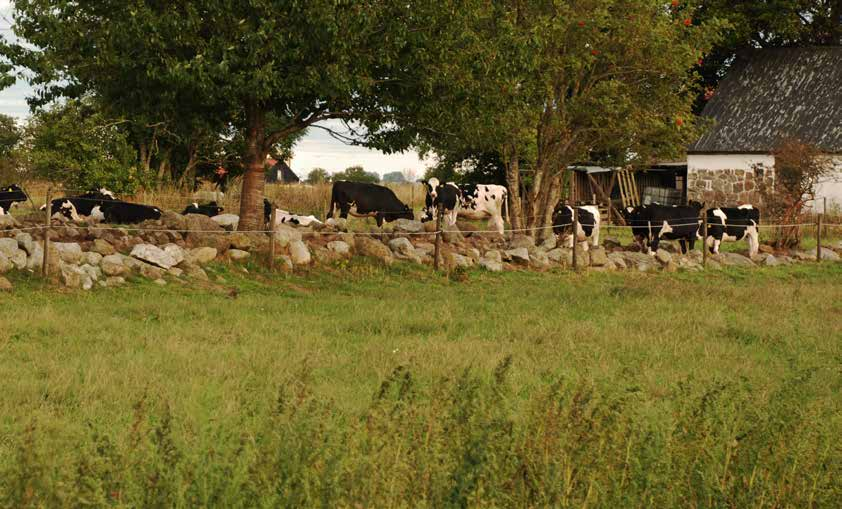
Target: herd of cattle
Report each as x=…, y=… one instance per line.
x=649, y=223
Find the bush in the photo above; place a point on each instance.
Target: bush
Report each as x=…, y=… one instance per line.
x=73, y=145
x=799, y=167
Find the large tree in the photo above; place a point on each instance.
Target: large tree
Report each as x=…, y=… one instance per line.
x=269, y=68
x=552, y=83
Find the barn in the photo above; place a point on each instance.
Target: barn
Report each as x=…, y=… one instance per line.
x=280, y=172
x=768, y=95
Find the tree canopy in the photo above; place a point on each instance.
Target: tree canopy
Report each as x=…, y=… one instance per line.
x=267, y=68
x=356, y=174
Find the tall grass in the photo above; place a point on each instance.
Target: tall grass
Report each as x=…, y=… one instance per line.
x=362, y=386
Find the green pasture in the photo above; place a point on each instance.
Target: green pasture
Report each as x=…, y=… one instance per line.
x=364, y=386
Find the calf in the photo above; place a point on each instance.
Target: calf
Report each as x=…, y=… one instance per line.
x=83, y=207
x=367, y=200
x=447, y=195
x=122, y=212
x=733, y=224
x=9, y=195
x=588, y=224
x=207, y=209
x=651, y=223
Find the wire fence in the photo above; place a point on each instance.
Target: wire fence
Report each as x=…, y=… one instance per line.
x=653, y=227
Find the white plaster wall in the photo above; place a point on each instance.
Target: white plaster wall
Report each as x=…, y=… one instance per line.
x=831, y=187
x=697, y=162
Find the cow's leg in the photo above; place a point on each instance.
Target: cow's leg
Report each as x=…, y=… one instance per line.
x=379, y=219
x=753, y=241
x=344, y=211
x=653, y=245
x=595, y=235
x=716, y=243
x=497, y=222
x=692, y=242
x=683, y=244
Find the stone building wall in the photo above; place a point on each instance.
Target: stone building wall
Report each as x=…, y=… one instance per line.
x=728, y=187
x=728, y=180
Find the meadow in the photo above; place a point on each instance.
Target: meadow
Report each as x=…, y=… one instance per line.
x=364, y=386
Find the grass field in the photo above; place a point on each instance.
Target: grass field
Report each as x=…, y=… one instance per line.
x=372, y=387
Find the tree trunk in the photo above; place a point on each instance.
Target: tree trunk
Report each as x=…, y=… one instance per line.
x=513, y=182
x=251, y=199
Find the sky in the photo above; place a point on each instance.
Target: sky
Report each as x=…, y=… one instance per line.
x=316, y=150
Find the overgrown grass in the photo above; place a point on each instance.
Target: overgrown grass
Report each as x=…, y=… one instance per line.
x=371, y=387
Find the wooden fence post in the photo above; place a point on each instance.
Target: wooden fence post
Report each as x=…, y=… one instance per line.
x=272, y=239
x=704, y=237
x=46, y=260
x=439, y=214
x=819, y=237
x=575, y=237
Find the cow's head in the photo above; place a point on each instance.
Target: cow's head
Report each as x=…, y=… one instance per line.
x=68, y=210
x=696, y=205
x=13, y=193
x=403, y=213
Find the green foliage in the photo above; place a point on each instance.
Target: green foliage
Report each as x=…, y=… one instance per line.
x=76, y=146
x=356, y=174
x=10, y=135
x=318, y=176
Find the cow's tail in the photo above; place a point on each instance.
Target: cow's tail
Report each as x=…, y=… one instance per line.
x=332, y=203
x=506, y=205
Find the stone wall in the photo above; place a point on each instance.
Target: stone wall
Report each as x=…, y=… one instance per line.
x=726, y=187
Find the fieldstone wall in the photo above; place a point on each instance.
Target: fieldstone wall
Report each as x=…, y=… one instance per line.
x=726, y=187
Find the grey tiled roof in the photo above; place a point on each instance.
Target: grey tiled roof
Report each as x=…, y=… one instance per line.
x=772, y=94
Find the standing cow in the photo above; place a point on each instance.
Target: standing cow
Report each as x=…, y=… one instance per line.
x=732, y=224
x=448, y=195
x=589, y=221
x=651, y=223
x=367, y=200
x=475, y=201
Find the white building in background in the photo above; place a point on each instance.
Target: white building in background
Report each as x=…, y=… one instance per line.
x=768, y=95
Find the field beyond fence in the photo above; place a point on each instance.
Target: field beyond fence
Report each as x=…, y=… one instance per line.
x=365, y=386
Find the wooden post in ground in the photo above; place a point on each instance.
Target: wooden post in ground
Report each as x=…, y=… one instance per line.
x=819, y=237
x=439, y=214
x=46, y=261
x=704, y=237
x=575, y=235
x=272, y=239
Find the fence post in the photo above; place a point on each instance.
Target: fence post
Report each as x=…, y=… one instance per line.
x=439, y=214
x=575, y=237
x=704, y=237
x=272, y=239
x=46, y=261
x=819, y=237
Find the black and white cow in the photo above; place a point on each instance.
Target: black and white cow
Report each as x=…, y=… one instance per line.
x=9, y=195
x=589, y=221
x=476, y=201
x=448, y=195
x=651, y=223
x=732, y=224
x=206, y=209
x=84, y=207
x=367, y=200
x=122, y=212
x=285, y=217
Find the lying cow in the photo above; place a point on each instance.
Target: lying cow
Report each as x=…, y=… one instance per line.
x=733, y=224
x=122, y=212
x=589, y=221
x=284, y=217
x=476, y=201
x=9, y=195
x=651, y=223
x=448, y=195
x=367, y=200
x=84, y=207
x=206, y=209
